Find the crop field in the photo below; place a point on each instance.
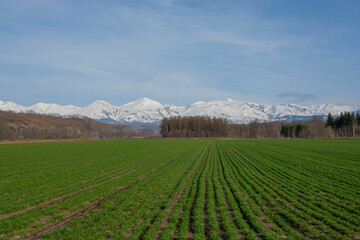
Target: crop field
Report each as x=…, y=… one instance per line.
x=181, y=189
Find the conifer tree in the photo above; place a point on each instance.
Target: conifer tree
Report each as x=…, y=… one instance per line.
x=330, y=121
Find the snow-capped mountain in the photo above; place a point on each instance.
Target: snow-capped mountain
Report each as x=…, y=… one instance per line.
x=55, y=109
x=147, y=111
x=99, y=110
x=143, y=110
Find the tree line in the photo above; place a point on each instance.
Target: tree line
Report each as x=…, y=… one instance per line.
x=197, y=126
x=293, y=130
x=313, y=128
x=345, y=124
x=205, y=126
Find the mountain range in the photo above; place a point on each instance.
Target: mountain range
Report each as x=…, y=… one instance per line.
x=145, y=111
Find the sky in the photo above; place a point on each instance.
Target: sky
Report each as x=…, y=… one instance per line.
x=178, y=52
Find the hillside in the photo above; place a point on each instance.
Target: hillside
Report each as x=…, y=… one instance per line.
x=24, y=126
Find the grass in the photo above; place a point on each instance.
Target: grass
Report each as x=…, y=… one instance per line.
x=163, y=189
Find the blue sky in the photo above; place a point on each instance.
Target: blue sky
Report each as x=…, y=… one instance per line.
x=179, y=52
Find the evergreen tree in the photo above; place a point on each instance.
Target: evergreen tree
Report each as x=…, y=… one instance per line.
x=330, y=121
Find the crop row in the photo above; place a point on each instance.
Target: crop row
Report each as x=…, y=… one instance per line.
x=183, y=189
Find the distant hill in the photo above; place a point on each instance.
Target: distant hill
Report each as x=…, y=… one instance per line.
x=145, y=111
x=24, y=126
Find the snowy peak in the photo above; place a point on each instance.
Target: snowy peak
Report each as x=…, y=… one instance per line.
x=143, y=110
x=143, y=103
x=10, y=106
x=52, y=108
x=99, y=109
x=100, y=104
x=147, y=111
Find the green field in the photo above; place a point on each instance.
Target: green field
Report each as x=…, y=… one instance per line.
x=179, y=189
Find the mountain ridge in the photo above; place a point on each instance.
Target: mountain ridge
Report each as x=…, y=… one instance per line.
x=150, y=112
